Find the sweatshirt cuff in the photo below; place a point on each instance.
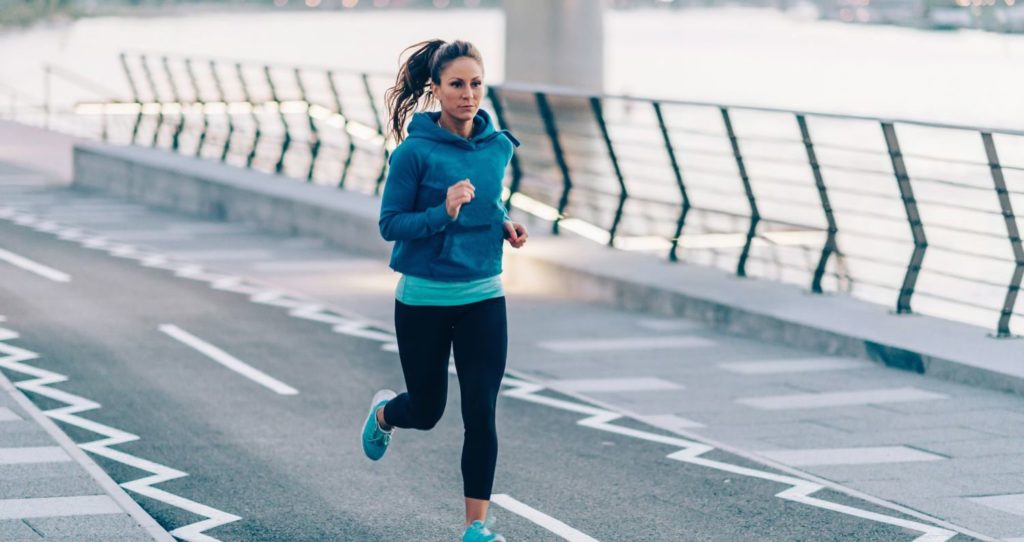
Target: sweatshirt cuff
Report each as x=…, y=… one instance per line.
x=437, y=218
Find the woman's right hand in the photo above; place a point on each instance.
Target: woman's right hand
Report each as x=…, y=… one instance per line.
x=459, y=194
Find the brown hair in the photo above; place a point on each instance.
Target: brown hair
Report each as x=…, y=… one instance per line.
x=424, y=65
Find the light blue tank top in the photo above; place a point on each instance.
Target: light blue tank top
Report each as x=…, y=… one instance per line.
x=420, y=291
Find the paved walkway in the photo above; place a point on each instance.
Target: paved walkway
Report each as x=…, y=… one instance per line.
x=930, y=447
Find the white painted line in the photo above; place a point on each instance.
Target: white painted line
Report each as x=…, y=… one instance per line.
x=670, y=422
x=223, y=255
x=539, y=518
x=148, y=235
x=795, y=366
x=849, y=456
x=1011, y=504
x=6, y=414
x=86, y=505
x=34, y=267
x=227, y=360
x=845, y=398
x=614, y=384
x=315, y=265
x=669, y=325
x=41, y=454
x=631, y=343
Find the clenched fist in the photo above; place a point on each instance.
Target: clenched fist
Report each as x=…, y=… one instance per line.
x=459, y=194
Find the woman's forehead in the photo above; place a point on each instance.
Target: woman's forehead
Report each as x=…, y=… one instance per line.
x=462, y=68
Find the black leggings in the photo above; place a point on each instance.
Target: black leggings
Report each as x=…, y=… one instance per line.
x=479, y=334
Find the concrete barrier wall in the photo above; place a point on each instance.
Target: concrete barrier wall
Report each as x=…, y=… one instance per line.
x=212, y=190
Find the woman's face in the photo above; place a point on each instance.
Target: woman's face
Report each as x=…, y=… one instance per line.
x=461, y=88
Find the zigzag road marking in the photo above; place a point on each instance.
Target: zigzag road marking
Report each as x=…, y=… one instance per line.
x=13, y=358
x=348, y=324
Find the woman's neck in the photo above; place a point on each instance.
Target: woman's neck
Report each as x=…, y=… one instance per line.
x=456, y=126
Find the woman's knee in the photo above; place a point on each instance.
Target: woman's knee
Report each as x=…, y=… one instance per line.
x=428, y=416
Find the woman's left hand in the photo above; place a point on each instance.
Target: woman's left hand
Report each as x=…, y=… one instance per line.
x=516, y=234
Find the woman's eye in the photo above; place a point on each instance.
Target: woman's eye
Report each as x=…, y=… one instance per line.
x=477, y=83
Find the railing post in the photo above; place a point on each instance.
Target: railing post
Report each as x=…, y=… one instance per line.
x=156, y=97
x=257, y=132
x=135, y=96
x=287, y=140
x=351, y=142
x=595, y=106
x=826, y=205
x=685, y=209
x=517, y=171
x=755, y=216
x=380, y=132
x=202, y=105
x=548, y=116
x=913, y=217
x=176, y=98
x=1012, y=231
x=223, y=97
x=314, y=135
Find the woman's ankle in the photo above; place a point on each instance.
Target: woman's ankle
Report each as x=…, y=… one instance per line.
x=380, y=420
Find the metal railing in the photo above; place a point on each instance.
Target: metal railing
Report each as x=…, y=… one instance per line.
x=899, y=212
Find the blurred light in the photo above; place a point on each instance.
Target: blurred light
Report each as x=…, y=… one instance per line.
x=312, y=3
x=863, y=15
x=381, y=3
x=349, y=3
x=1010, y=2
x=441, y=3
x=280, y=3
x=295, y=106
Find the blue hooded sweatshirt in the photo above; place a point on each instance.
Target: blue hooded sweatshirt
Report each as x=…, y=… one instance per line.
x=428, y=243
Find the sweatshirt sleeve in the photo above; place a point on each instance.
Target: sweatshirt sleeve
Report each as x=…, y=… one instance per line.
x=398, y=218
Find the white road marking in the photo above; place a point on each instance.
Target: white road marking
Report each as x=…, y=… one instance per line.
x=795, y=366
x=227, y=360
x=148, y=235
x=616, y=384
x=800, y=490
x=338, y=264
x=13, y=358
x=668, y=325
x=86, y=505
x=843, y=398
x=849, y=456
x=670, y=422
x=539, y=518
x=223, y=255
x=34, y=267
x=1011, y=504
x=39, y=454
x=630, y=343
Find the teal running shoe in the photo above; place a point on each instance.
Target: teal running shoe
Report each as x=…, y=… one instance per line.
x=375, y=439
x=481, y=532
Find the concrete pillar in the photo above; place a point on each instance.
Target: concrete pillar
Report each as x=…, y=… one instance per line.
x=555, y=42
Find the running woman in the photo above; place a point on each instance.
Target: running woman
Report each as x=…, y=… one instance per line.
x=442, y=208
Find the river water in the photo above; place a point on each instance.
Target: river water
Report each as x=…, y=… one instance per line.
x=728, y=55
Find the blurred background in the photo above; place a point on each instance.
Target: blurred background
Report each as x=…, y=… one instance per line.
x=830, y=144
